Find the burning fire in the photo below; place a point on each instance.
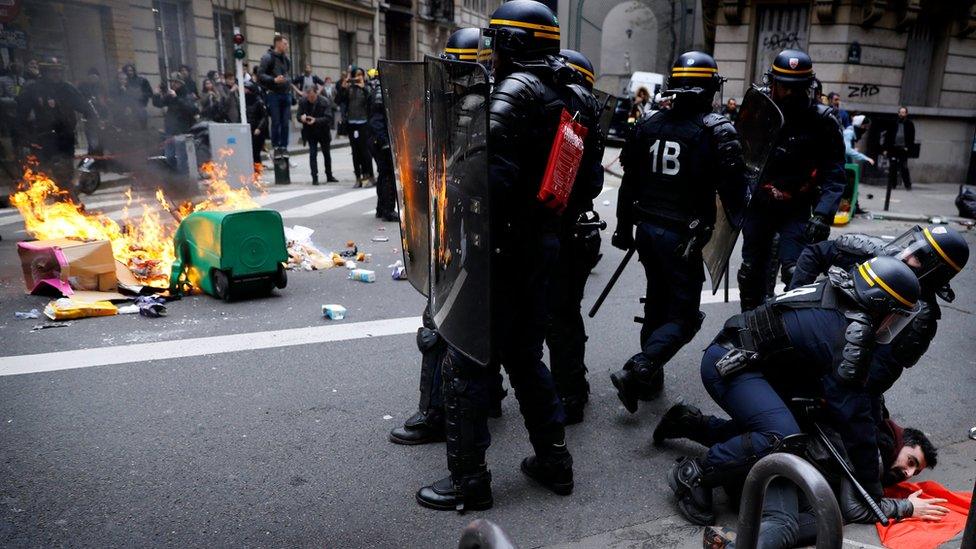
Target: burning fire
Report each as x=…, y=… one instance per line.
x=143, y=242
x=440, y=199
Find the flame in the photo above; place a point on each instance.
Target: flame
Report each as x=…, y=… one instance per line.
x=142, y=241
x=443, y=249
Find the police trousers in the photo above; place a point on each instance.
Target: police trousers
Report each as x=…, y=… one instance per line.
x=762, y=223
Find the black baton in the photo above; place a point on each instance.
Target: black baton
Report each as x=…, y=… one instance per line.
x=613, y=280
x=850, y=476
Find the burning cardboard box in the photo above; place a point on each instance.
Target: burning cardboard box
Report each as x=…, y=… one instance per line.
x=66, y=265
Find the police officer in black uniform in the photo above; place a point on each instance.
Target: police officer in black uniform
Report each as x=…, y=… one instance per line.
x=824, y=332
x=673, y=163
x=579, y=246
x=802, y=183
x=524, y=113
x=47, y=109
x=379, y=149
x=935, y=253
x=427, y=423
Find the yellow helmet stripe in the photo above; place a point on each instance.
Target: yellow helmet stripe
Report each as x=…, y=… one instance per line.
x=460, y=50
x=935, y=245
x=694, y=69
x=690, y=75
x=520, y=24
x=467, y=57
x=788, y=71
x=891, y=292
x=545, y=35
x=589, y=75
x=864, y=275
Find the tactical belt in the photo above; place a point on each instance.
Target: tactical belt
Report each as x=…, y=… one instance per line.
x=661, y=219
x=765, y=326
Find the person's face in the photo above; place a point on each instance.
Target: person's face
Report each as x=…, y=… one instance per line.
x=731, y=104
x=311, y=96
x=184, y=71
x=208, y=86
x=175, y=85
x=283, y=45
x=360, y=76
x=229, y=80
x=902, y=113
x=836, y=102
x=789, y=97
x=53, y=74
x=328, y=81
x=93, y=78
x=130, y=71
x=308, y=69
x=122, y=78
x=32, y=65
x=910, y=462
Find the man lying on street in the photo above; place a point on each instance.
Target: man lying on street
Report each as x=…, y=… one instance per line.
x=822, y=333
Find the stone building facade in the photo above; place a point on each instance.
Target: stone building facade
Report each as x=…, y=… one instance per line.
x=160, y=35
x=878, y=56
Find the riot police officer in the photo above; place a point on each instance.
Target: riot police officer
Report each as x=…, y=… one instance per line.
x=795, y=335
x=802, y=183
x=379, y=148
x=427, y=423
x=579, y=246
x=935, y=253
x=46, y=109
x=524, y=112
x=674, y=162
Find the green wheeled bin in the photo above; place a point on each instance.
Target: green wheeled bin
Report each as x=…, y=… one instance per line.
x=230, y=254
x=848, y=202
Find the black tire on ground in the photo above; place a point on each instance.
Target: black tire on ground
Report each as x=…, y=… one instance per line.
x=221, y=284
x=281, y=279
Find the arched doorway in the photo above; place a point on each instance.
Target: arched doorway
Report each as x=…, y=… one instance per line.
x=628, y=43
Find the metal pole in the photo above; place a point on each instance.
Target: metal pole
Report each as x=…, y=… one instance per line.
x=727, y=270
x=376, y=33
x=239, y=72
x=830, y=525
x=891, y=181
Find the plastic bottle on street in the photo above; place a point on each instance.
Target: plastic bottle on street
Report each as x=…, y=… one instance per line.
x=362, y=275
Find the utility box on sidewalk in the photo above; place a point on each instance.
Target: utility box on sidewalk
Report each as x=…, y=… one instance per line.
x=230, y=144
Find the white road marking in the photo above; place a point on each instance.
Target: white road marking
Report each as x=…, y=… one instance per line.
x=202, y=346
x=275, y=197
x=370, y=212
x=328, y=204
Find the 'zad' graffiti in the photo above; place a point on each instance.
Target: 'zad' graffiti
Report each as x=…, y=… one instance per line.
x=862, y=90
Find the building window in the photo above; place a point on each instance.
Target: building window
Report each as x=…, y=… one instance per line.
x=224, y=23
x=778, y=28
x=443, y=10
x=347, y=49
x=171, y=35
x=925, y=58
x=297, y=35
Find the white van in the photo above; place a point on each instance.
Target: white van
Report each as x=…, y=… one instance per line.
x=653, y=81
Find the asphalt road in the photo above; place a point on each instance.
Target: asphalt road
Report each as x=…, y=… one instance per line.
x=258, y=423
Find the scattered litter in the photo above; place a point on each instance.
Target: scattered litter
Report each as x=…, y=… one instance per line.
x=398, y=272
x=302, y=253
x=350, y=264
x=380, y=228
x=33, y=313
x=334, y=311
x=363, y=257
x=70, y=309
x=152, y=306
x=362, y=275
x=131, y=309
x=606, y=202
x=351, y=250
x=387, y=417
x=38, y=327
x=972, y=433
x=381, y=239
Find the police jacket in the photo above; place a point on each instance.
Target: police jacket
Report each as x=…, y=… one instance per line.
x=274, y=64
x=674, y=161
x=523, y=113
x=48, y=110
x=378, y=132
x=589, y=178
x=181, y=111
x=911, y=343
x=806, y=167
x=852, y=507
x=323, y=111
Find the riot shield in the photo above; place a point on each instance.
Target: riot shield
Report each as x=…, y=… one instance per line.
x=457, y=167
x=758, y=126
x=403, y=90
x=608, y=104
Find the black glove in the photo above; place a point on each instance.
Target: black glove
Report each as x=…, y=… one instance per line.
x=623, y=237
x=818, y=229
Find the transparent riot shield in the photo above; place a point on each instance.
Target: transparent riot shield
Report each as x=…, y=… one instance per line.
x=758, y=126
x=403, y=90
x=608, y=104
x=457, y=167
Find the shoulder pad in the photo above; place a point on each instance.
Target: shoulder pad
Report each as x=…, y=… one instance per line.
x=824, y=110
x=519, y=83
x=828, y=115
x=860, y=245
x=714, y=119
x=720, y=126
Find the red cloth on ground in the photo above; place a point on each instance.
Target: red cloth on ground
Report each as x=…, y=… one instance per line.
x=914, y=533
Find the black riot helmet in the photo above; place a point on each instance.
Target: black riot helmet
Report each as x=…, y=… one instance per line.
x=935, y=253
x=524, y=30
x=694, y=79
x=462, y=45
x=793, y=68
x=581, y=65
x=889, y=291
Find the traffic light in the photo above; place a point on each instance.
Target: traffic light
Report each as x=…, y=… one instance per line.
x=239, y=52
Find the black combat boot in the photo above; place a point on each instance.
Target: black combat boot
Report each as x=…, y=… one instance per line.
x=681, y=421
x=694, y=500
x=552, y=469
x=640, y=379
x=421, y=428
x=315, y=179
x=573, y=407
x=471, y=492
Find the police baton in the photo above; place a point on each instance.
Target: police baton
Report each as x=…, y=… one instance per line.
x=850, y=476
x=613, y=280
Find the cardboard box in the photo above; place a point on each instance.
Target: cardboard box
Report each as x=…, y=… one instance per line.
x=66, y=265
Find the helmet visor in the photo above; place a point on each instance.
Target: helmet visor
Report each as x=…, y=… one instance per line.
x=486, y=49
x=914, y=250
x=892, y=324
